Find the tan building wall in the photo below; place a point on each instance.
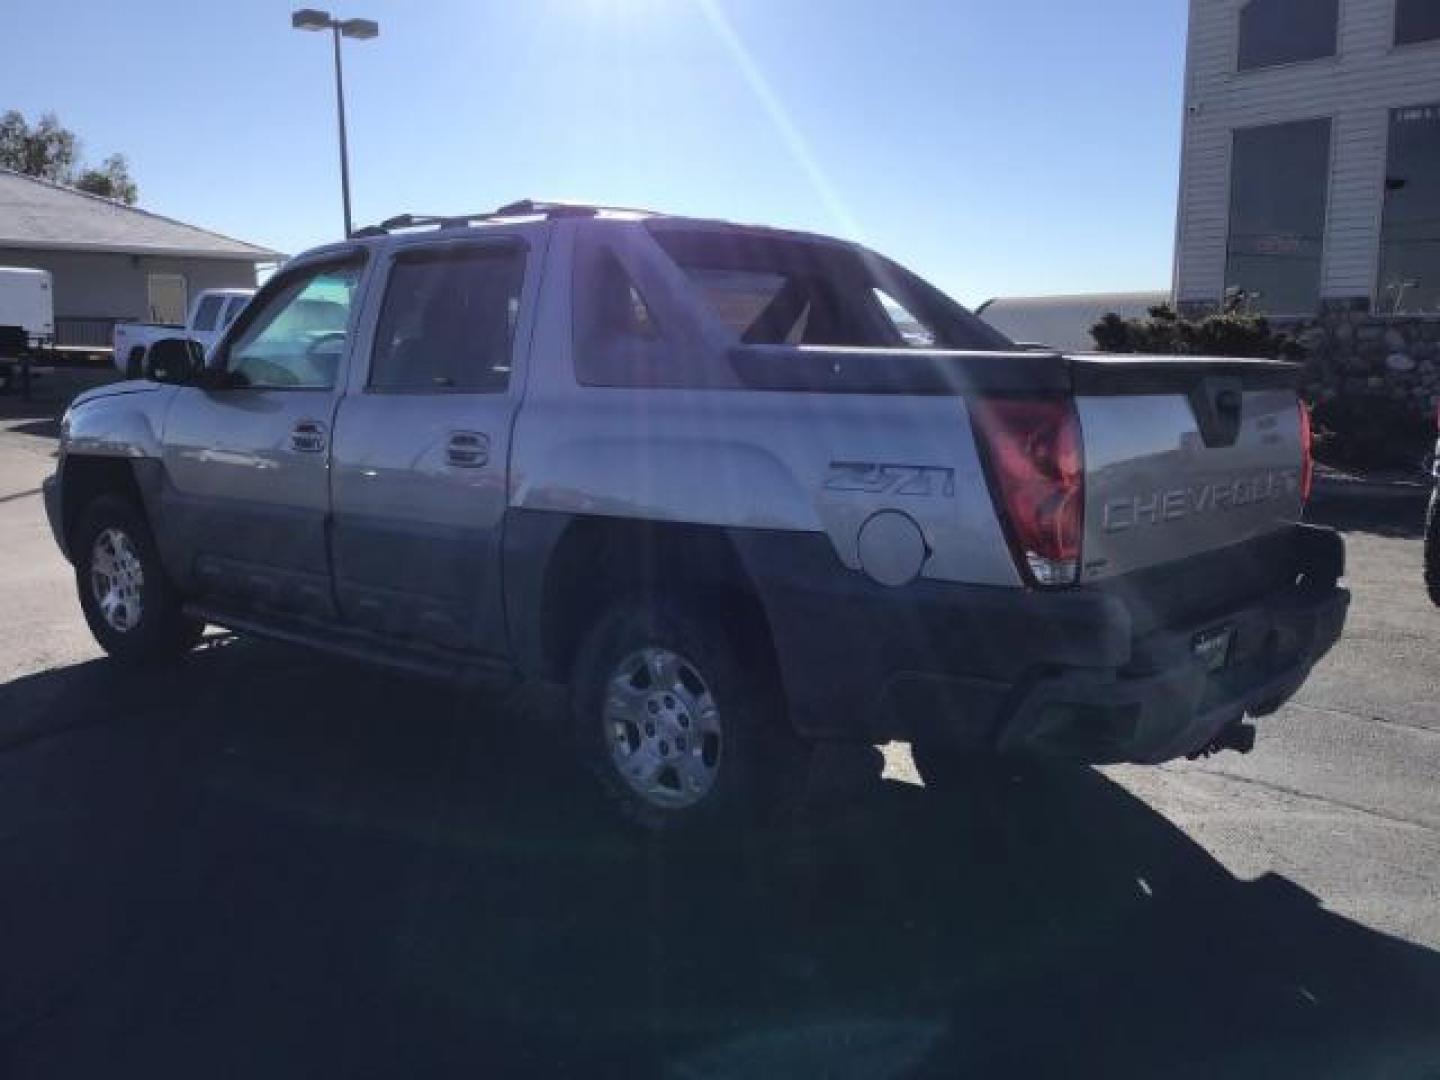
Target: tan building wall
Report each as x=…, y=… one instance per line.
x=92, y=285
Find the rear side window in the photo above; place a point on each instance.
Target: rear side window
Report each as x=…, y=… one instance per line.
x=237, y=305
x=207, y=314
x=783, y=290
x=617, y=340
x=913, y=329
x=448, y=321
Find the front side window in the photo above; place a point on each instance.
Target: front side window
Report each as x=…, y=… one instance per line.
x=448, y=321
x=1416, y=20
x=295, y=340
x=206, y=313
x=1410, y=232
x=1286, y=32
x=1278, y=188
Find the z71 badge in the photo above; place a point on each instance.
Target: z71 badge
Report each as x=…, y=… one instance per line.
x=924, y=481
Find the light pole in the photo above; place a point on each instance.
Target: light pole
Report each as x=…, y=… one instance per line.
x=361, y=30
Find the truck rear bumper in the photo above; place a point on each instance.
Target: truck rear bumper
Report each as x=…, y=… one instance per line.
x=1102, y=675
x=1156, y=712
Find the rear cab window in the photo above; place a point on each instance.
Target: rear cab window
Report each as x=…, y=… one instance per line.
x=782, y=289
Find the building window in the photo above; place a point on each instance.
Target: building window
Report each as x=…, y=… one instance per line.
x=1279, y=176
x=1286, y=32
x=1416, y=20
x=1410, y=233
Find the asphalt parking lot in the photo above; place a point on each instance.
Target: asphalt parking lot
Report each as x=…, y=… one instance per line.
x=268, y=863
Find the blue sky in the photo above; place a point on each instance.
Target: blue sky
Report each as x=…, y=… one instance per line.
x=1028, y=146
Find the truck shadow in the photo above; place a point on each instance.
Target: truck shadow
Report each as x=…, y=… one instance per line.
x=1399, y=517
x=266, y=863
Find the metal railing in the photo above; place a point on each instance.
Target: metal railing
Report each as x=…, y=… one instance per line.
x=84, y=331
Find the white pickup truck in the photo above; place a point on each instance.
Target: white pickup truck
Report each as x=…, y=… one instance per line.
x=212, y=311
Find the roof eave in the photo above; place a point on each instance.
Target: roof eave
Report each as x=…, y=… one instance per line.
x=259, y=255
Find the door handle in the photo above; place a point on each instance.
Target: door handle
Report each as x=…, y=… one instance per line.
x=467, y=450
x=307, y=436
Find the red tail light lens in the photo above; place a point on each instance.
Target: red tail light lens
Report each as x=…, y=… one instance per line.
x=1307, y=455
x=1037, y=465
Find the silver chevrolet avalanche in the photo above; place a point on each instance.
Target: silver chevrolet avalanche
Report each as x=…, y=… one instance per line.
x=742, y=490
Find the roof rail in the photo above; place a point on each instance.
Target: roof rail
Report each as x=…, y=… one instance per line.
x=545, y=208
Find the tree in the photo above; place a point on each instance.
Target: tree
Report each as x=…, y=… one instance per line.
x=111, y=180
x=50, y=151
x=47, y=151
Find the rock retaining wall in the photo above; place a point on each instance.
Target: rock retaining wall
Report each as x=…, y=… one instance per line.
x=1352, y=354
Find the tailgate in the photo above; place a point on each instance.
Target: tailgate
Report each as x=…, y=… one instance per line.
x=1184, y=456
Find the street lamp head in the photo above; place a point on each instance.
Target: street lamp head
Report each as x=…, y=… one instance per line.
x=363, y=29
x=311, y=19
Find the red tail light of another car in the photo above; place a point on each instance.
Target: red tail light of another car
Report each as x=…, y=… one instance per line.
x=1307, y=454
x=1034, y=452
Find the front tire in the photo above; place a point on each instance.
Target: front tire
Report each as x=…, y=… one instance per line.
x=130, y=604
x=1432, y=548
x=682, y=729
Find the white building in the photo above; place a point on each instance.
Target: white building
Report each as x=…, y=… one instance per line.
x=1310, y=173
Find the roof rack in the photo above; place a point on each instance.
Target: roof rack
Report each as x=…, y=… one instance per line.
x=542, y=208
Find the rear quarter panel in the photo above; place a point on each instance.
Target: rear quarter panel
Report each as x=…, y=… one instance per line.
x=809, y=463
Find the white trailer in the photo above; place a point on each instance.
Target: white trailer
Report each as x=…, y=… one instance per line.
x=27, y=319
x=27, y=301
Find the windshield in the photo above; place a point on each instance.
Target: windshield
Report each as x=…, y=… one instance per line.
x=769, y=289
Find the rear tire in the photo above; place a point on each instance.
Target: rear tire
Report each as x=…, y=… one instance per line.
x=130, y=604
x=1432, y=548
x=682, y=729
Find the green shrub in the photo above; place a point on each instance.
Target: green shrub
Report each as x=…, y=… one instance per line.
x=1222, y=333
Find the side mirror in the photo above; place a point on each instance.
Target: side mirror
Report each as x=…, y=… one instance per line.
x=174, y=360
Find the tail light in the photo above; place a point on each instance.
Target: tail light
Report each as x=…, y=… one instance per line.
x=1037, y=469
x=1307, y=455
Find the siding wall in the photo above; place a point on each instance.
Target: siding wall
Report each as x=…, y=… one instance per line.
x=107, y=286
x=1356, y=90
